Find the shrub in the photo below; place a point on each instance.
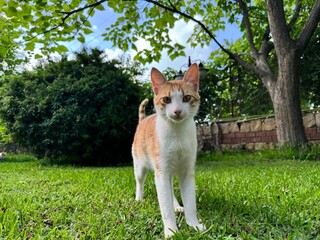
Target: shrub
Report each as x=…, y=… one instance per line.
x=81, y=110
x=5, y=137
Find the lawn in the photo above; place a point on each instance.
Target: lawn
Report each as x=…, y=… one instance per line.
x=238, y=197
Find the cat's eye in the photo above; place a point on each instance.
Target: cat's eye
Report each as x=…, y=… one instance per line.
x=166, y=100
x=186, y=98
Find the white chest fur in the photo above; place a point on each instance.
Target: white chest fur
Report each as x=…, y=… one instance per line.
x=177, y=144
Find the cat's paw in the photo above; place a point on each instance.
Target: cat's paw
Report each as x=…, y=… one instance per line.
x=200, y=227
x=168, y=233
x=178, y=209
x=139, y=196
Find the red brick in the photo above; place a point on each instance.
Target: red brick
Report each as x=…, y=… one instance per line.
x=256, y=139
x=250, y=134
x=310, y=130
x=266, y=139
x=272, y=133
x=226, y=140
x=315, y=136
x=261, y=134
x=240, y=135
x=230, y=135
x=236, y=140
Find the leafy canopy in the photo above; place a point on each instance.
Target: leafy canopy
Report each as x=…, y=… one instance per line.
x=42, y=24
x=48, y=24
x=81, y=110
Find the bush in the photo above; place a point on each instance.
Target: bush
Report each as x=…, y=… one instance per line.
x=5, y=137
x=82, y=110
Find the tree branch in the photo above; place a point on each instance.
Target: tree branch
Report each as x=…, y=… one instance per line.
x=254, y=68
x=251, y=67
x=309, y=27
x=247, y=25
x=278, y=26
x=173, y=9
x=266, y=45
x=295, y=15
x=67, y=15
x=77, y=31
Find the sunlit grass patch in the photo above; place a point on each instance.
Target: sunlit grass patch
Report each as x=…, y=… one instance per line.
x=247, y=198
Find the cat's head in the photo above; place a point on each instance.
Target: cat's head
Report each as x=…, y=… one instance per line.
x=176, y=100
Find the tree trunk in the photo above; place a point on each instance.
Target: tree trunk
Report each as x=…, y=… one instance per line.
x=286, y=101
x=285, y=90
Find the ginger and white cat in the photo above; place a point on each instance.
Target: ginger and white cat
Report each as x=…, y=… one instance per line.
x=166, y=143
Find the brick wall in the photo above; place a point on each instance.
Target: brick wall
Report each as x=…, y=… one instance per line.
x=251, y=134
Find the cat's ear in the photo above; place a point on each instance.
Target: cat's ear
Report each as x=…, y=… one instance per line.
x=157, y=80
x=192, y=76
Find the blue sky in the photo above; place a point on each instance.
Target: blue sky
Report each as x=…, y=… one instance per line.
x=180, y=34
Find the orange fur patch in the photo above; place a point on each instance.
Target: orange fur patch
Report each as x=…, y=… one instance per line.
x=166, y=89
x=146, y=143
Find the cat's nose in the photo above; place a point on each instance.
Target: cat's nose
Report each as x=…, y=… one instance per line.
x=177, y=112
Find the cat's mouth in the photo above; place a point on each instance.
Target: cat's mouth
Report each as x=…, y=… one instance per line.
x=176, y=118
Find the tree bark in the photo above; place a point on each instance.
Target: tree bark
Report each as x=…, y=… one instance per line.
x=285, y=90
x=286, y=102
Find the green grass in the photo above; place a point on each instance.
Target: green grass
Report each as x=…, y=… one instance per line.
x=239, y=196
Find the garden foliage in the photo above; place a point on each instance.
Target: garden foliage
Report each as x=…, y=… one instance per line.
x=81, y=110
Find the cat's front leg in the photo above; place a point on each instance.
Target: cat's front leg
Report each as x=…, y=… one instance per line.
x=176, y=205
x=165, y=196
x=140, y=173
x=188, y=193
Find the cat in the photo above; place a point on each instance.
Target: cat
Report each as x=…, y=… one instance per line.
x=166, y=143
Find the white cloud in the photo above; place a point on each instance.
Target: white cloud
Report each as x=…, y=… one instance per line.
x=113, y=53
x=181, y=31
x=33, y=62
x=179, y=34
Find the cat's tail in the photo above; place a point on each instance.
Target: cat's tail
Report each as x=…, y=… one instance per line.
x=142, y=109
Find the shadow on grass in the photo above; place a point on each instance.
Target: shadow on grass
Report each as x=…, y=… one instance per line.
x=72, y=162
x=256, y=218
x=309, y=152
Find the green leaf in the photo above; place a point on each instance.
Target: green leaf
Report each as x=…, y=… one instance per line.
x=29, y=46
x=111, y=4
x=87, y=24
x=100, y=7
x=27, y=17
x=66, y=8
x=81, y=39
x=134, y=47
x=91, y=13
x=3, y=51
x=75, y=3
x=62, y=49
x=5, y=40
x=87, y=30
x=37, y=56
x=12, y=10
